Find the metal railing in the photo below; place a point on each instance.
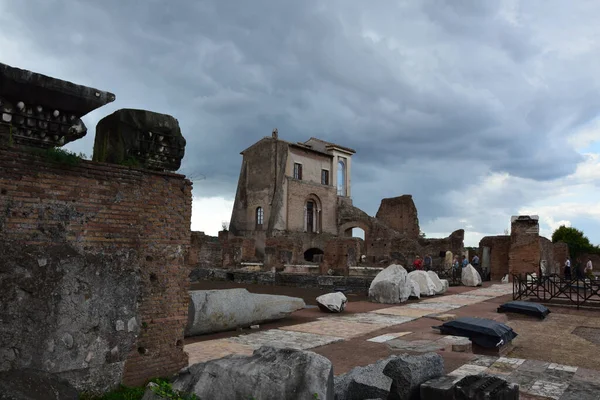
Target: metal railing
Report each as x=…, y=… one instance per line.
x=554, y=288
x=449, y=273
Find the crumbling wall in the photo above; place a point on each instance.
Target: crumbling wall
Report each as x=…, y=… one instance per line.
x=400, y=214
x=92, y=269
x=282, y=250
x=341, y=254
x=525, y=247
x=236, y=250
x=205, y=252
x=499, y=250
x=384, y=244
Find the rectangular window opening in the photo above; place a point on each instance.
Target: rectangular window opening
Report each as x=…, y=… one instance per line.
x=298, y=171
x=324, y=177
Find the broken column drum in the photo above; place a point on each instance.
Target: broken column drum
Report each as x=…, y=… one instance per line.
x=40, y=111
x=140, y=138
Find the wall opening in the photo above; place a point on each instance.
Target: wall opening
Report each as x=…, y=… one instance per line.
x=341, y=178
x=358, y=233
x=313, y=255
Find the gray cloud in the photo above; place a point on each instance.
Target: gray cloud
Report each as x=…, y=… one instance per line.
x=434, y=95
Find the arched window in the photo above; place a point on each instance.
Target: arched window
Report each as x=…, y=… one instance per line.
x=260, y=215
x=312, y=214
x=341, y=177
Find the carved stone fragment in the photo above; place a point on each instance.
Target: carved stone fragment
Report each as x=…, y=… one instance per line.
x=140, y=138
x=40, y=111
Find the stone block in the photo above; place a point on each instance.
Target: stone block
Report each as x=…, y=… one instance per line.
x=332, y=302
x=29, y=384
x=441, y=388
x=390, y=286
x=409, y=372
x=140, y=138
x=364, y=382
x=269, y=373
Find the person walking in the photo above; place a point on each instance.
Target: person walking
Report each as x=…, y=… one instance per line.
x=427, y=263
x=588, y=269
x=455, y=269
x=475, y=261
x=418, y=264
x=568, y=269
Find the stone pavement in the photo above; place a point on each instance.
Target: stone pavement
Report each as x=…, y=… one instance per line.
x=397, y=329
x=538, y=378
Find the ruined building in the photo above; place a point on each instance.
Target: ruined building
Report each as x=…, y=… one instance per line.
x=523, y=251
x=293, y=211
x=290, y=189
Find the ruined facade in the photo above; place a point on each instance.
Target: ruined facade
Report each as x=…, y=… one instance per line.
x=92, y=255
x=293, y=212
x=523, y=251
x=289, y=188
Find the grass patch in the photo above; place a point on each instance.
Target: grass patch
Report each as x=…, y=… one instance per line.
x=131, y=162
x=60, y=156
x=163, y=389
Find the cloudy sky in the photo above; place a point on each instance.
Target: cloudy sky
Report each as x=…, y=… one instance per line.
x=480, y=110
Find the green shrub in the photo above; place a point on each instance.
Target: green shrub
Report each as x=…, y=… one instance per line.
x=165, y=390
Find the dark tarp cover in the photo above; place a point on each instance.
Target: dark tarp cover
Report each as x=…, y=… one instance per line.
x=525, y=307
x=483, y=332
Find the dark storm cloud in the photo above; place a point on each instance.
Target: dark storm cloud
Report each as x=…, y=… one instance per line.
x=433, y=95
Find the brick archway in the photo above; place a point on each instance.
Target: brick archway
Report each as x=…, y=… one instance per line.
x=346, y=228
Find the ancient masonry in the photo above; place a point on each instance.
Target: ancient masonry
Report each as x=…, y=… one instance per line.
x=523, y=251
x=93, y=263
x=293, y=212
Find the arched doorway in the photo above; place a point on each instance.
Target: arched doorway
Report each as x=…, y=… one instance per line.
x=309, y=255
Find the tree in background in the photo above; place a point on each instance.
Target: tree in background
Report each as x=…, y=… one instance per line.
x=577, y=241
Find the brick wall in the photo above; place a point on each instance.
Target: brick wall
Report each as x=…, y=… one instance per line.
x=341, y=254
x=282, y=250
x=92, y=256
x=400, y=214
x=205, y=251
x=525, y=247
x=499, y=251
x=236, y=250
x=560, y=254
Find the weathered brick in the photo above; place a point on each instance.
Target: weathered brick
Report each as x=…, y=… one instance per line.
x=107, y=209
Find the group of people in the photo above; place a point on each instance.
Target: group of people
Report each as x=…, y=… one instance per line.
x=423, y=264
x=462, y=264
x=587, y=271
